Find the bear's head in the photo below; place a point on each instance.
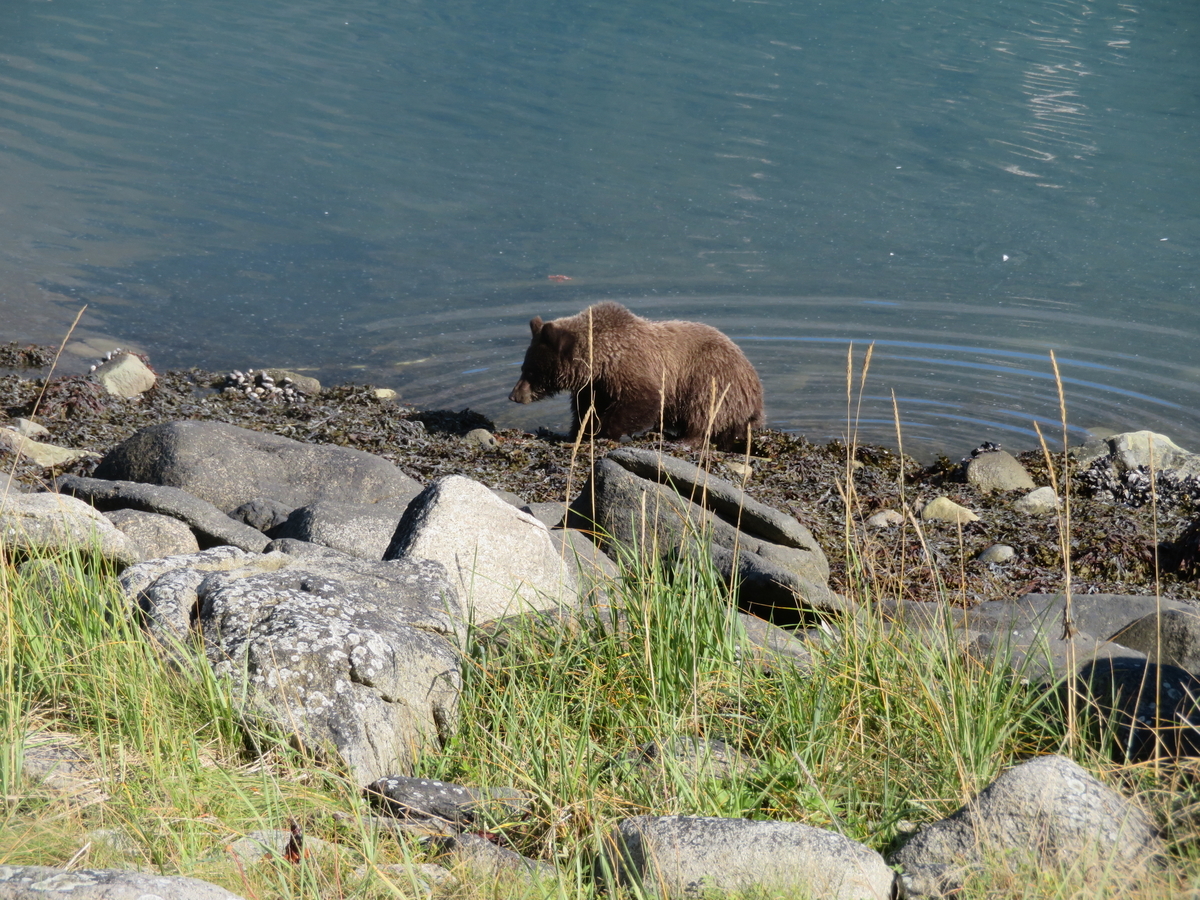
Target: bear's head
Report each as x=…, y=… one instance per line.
x=547, y=366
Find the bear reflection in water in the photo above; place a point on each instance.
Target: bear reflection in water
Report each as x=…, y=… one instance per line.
x=634, y=375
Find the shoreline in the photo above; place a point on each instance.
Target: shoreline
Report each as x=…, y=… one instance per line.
x=1113, y=547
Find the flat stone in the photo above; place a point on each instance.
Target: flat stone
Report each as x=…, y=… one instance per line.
x=29, y=428
x=885, y=519
x=45, y=455
x=40, y=882
x=943, y=509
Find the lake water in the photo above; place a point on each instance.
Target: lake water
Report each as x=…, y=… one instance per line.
x=382, y=193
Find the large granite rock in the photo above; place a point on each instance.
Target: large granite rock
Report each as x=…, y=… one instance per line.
x=686, y=856
x=229, y=466
x=359, y=658
x=679, y=507
x=500, y=559
x=53, y=523
x=40, y=882
x=1045, y=812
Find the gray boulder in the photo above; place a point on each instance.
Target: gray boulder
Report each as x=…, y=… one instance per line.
x=261, y=513
x=364, y=530
x=228, y=466
x=1171, y=637
x=780, y=567
x=40, y=882
x=157, y=535
x=357, y=657
x=500, y=559
x=998, y=470
x=1134, y=449
x=684, y=856
x=211, y=526
x=486, y=864
x=1045, y=812
x=53, y=523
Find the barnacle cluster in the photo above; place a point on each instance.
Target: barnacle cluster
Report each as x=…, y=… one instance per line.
x=1138, y=487
x=261, y=386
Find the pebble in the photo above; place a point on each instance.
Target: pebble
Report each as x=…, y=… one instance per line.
x=885, y=519
x=997, y=553
x=482, y=438
x=1041, y=502
x=739, y=468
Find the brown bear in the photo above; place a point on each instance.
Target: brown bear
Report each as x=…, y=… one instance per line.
x=634, y=374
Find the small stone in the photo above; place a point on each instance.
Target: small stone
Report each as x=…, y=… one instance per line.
x=482, y=438
x=384, y=394
x=739, y=468
x=885, y=519
x=997, y=553
x=29, y=428
x=1041, y=502
x=46, y=455
x=302, y=383
x=943, y=509
x=125, y=375
x=998, y=470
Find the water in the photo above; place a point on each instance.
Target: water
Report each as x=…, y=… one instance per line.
x=382, y=194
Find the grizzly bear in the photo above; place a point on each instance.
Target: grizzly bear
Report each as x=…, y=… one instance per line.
x=633, y=375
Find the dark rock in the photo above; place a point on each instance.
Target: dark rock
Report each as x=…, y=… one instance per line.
x=1172, y=637
x=262, y=513
x=1150, y=711
x=229, y=466
x=211, y=526
x=420, y=798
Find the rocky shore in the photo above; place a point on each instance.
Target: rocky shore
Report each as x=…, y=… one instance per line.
x=329, y=549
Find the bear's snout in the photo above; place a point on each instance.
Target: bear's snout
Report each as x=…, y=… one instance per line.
x=522, y=393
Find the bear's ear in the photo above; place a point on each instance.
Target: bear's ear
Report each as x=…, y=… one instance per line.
x=535, y=325
x=559, y=339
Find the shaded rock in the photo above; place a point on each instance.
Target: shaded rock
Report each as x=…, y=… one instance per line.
x=423, y=798
x=1041, y=502
x=776, y=580
x=155, y=534
x=61, y=763
x=549, y=514
x=997, y=553
x=262, y=513
x=39, y=882
x=1172, y=638
x=359, y=529
x=228, y=466
x=485, y=862
x=500, y=559
x=684, y=856
x=357, y=657
x=594, y=571
x=998, y=470
x=53, y=523
x=692, y=758
x=46, y=455
x=211, y=526
x=772, y=647
x=943, y=509
x=124, y=375
x=293, y=547
x=1152, y=711
x=1047, y=812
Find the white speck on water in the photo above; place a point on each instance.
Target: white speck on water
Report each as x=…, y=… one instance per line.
x=1004, y=257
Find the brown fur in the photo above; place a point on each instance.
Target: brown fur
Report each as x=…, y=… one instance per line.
x=640, y=373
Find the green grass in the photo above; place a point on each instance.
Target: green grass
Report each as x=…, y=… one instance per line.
x=890, y=728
